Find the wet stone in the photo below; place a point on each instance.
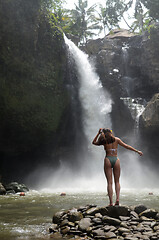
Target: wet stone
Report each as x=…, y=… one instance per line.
x=122, y=230
x=116, y=211
x=130, y=238
x=74, y=216
x=123, y=224
x=143, y=218
x=57, y=217
x=65, y=230
x=109, y=228
x=98, y=215
x=64, y=223
x=149, y=213
x=156, y=228
x=123, y=218
x=56, y=235
x=53, y=228
x=140, y=208
x=92, y=211
x=103, y=211
x=97, y=221
x=134, y=214
x=84, y=224
x=112, y=221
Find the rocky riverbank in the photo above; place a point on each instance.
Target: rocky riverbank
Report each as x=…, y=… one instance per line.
x=111, y=223
x=12, y=188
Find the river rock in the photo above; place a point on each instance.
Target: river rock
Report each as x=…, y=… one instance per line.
x=84, y=224
x=149, y=120
x=17, y=187
x=98, y=226
x=65, y=230
x=140, y=208
x=74, y=215
x=57, y=217
x=92, y=211
x=116, y=211
x=149, y=213
x=2, y=189
x=112, y=221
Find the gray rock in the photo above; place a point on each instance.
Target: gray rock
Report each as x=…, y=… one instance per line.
x=140, y=208
x=149, y=119
x=97, y=221
x=156, y=228
x=64, y=223
x=98, y=232
x=134, y=214
x=56, y=235
x=122, y=218
x=110, y=220
x=65, y=230
x=2, y=189
x=74, y=215
x=16, y=187
x=103, y=211
x=92, y=211
x=109, y=228
x=124, y=224
x=98, y=215
x=53, y=228
x=116, y=211
x=84, y=224
x=149, y=213
x=57, y=217
x=122, y=230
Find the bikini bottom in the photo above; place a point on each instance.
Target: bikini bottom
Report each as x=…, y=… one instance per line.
x=112, y=160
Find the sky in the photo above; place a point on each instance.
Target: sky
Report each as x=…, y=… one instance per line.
x=70, y=5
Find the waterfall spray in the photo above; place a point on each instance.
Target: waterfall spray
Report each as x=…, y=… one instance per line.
x=96, y=101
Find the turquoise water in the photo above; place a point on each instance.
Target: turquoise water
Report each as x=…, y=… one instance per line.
x=30, y=216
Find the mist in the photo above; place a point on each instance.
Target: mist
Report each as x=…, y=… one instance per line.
x=89, y=174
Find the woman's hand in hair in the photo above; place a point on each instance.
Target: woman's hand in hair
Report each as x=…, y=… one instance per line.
x=100, y=130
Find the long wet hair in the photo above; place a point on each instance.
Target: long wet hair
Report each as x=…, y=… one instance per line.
x=109, y=137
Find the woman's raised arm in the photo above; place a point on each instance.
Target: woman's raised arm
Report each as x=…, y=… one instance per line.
x=95, y=140
x=121, y=143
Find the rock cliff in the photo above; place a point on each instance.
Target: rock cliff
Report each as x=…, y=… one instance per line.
x=128, y=67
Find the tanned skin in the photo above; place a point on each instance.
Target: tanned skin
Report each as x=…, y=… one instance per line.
x=115, y=171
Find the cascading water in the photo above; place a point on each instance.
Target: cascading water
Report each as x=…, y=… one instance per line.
x=96, y=102
x=96, y=107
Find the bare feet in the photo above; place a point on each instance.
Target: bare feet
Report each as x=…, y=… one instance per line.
x=117, y=203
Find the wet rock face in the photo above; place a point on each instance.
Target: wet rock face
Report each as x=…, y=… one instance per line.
x=149, y=120
x=13, y=188
x=115, y=222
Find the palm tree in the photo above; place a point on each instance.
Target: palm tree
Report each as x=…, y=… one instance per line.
x=83, y=20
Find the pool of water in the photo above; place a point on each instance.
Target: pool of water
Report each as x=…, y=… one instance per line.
x=29, y=217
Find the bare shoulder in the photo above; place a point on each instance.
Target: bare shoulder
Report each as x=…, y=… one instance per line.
x=117, y=139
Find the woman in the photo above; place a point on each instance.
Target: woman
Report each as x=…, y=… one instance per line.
x=106, y=138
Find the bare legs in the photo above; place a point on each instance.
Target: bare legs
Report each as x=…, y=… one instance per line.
x=108, y=173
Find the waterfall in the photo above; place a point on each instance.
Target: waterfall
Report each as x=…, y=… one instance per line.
x=96, y=102
x=96, y=106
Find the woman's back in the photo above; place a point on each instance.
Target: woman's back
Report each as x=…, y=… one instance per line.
x=111, y=148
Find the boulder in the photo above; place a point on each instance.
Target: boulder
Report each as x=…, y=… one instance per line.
x=57, y=217
x=140, y=208
x=149, y=120
x=112, y=221
x=84, y=224
x=116, y=211
x=149, y=213
x=74, y=215
x=2, y=189
x=16, y=187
